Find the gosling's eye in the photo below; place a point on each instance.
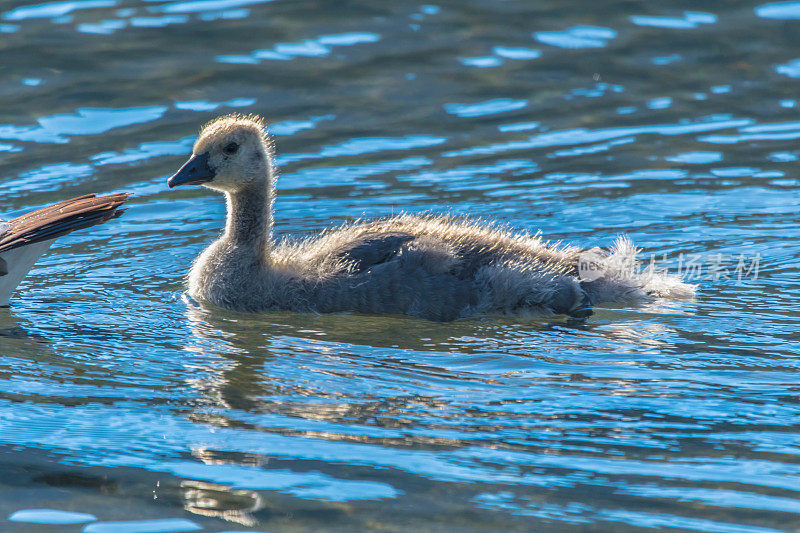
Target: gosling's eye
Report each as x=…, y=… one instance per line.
x=230, y=148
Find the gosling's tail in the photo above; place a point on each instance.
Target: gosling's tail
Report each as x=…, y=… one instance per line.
x=615, y=276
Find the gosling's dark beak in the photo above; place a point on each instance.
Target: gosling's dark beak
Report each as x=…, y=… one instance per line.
x=194, y=172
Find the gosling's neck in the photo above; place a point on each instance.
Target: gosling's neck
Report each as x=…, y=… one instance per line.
x=249, y=221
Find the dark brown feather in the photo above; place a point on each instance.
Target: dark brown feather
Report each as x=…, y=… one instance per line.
x=61, y=218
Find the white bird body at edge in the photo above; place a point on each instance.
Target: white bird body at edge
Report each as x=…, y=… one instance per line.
x=16, y=264
x=25, y=238
x=430, y=266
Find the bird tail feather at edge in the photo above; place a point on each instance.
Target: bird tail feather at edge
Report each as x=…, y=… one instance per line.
x=61, y=218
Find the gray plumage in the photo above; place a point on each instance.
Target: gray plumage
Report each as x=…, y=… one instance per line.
x=433, y=267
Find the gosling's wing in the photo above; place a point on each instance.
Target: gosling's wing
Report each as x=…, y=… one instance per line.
x=371, y=249
x=61, y=218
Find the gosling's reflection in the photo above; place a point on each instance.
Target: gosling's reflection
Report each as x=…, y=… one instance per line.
x=347, y=370
x=236, y=351
x=649, y=328
x=237, y=348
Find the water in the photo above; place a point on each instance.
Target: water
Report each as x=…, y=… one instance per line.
x=124, y=407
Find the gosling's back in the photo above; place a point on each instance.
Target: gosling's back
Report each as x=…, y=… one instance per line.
x=438, y=268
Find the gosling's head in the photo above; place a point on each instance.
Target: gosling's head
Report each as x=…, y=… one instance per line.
x=231, y=154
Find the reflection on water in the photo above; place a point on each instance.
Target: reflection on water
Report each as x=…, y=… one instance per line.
x=125, y=406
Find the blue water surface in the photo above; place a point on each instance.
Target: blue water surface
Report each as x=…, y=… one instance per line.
x=125, y=406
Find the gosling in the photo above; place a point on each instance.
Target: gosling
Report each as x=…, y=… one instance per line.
x=25, y=238
x=429, y=266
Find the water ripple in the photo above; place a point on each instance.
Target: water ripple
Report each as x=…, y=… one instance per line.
x=318, y=47
x=583, y=136
x=337, y=176
x=696, y=158
x=290, y=127
x=366, y=146
x=145, y=151
x=157, y=22
x=197, y=6
x=577, y=37
x=489, y=107
x=202, y=105
x=690, y=20
x=166, y=525
x=55, y=9
x=779, y=10
x=50, y=516
x=791, y=69
x=87, y=121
